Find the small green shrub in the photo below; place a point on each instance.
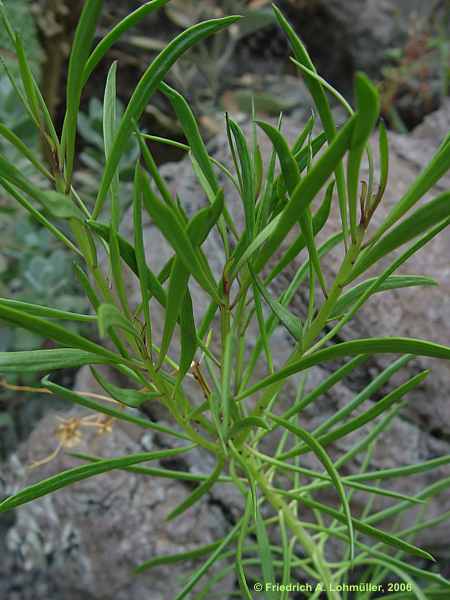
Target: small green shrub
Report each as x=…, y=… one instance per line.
x=233, y=412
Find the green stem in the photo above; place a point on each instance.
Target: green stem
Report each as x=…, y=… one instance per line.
x=308, y=544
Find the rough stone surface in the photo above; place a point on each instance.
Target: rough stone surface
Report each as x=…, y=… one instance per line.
x=358, y=31
x=84, y=541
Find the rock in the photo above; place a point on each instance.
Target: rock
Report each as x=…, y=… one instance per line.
x=358, y=31
x=64, y=541
x=84, y=541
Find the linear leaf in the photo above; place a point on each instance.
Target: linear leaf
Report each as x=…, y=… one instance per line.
x=198, y=493
x=145, y=89
x=364, y=418
x=116, y=32
x=24, y=149
x=319, y=451
x=323, y=107
x=36, y=361
x=106, y=409
x=128, y=254
x=188, y=336
x=394, y=282
x=81, y=47
x=173, y=230
x=264, y=551
x=47, y=329
x=50, y=313
x=61, y=480
x=291, y=175
x=434, y=170
x=110, y=319
x=417, y=223
x=388, y=345
x=306, y=191
x=130, y=397
x=284, y=315
x=192, y=133
x=319, y=221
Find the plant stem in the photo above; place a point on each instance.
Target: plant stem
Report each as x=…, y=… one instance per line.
x=308, y=544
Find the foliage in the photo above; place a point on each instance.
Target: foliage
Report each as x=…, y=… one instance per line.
x=92, y=157
x=235, y=413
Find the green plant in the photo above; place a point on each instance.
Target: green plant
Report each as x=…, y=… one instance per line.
x=234, y=414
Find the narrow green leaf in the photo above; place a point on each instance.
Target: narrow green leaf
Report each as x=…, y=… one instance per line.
x=172, y=229
x=107, y=409
x=284, y=315
x=83, y=279
x=198, y=493
x=50, y=313
x=432, y=173
x=192, y=132
x=128, y=254
x=229, y=354
x=178, y=283
x=110, y=319
x=109, y=131
x=389, y=345
x=240, y=548
x=188, y=336
x=325, y=386
x=36, y=361
x=247, y=183
x=323, y=107
x=367, y=529
x=264, y=551
x=141, y=262
x=306, y=191
x=116, y=33
x=130, y=397
x=394, y=282
x=170, y=559
x=61, y=480
x=38, y=216
x=319, y=451
x=197, y=231
x=50, y=330
x=367, y=417
x=13, y=139
x=291, y=175
x=422, y=219
x=319, y=221
x=81, y=47
x=405, y=471
x=247, y=423
x=214, y=556
x=145, y=89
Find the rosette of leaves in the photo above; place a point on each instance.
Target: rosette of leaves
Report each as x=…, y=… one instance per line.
x=232, y=411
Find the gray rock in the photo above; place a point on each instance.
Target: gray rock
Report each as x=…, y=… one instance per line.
x=84, y=542
x=359, y=32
